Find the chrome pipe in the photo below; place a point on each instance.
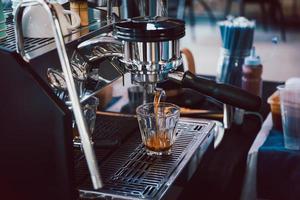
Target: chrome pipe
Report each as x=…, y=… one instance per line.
x=162, y=8
x=101, y=47
x=20, y=43
x=153, y=8
x=109, y=14
x=227, y=116
x=65, y=64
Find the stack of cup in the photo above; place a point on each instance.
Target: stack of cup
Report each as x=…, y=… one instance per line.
x=290, y=112
x=2, y=22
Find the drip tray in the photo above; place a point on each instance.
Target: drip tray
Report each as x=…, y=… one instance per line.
x=129, y=173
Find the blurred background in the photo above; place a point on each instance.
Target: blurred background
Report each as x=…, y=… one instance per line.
x=277, y=33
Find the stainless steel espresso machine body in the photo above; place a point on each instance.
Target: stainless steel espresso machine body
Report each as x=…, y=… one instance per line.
x=45, y=82
x=44, y=78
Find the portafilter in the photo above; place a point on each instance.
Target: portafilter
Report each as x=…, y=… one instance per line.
x=151, y=47
x=152, y=54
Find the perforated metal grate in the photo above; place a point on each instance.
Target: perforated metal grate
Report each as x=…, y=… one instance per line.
x=130, y=173
x=142, y=175
x=30, y=43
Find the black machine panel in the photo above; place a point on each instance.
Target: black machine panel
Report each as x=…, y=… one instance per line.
x=36, y=138
x=36, y=142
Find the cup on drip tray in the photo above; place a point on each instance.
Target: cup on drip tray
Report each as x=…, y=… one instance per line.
x=157, y=123
x=89, y=109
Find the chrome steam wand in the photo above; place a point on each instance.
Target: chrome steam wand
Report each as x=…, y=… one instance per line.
x=65, y=64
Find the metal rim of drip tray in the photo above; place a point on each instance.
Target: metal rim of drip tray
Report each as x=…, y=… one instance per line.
x=140, y=176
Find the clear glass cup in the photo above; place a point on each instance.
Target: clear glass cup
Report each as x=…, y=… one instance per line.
x=290, y=113
x=157, y=123
x=89, y=109
x=90, y=112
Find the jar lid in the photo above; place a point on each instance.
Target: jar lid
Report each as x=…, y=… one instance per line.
x=293, y=82
x=149, y=29
x=253, y=59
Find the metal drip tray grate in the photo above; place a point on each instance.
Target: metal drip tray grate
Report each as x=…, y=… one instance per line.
x=30, y=43
x=129, y=173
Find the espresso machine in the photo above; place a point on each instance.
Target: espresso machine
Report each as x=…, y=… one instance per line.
x=45, y=82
